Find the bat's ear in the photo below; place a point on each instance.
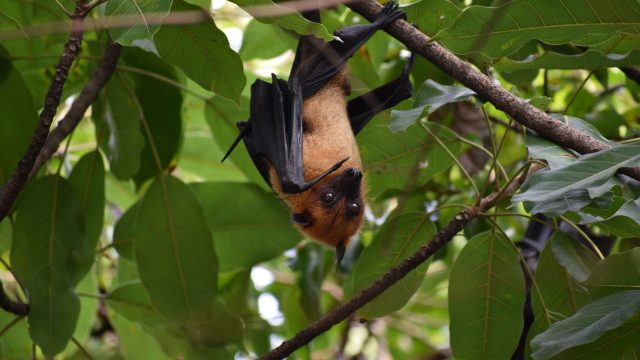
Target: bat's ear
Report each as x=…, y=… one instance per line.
x=302, y=219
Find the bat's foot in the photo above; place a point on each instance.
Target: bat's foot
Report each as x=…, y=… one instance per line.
x=406, y=69
x=390, y=13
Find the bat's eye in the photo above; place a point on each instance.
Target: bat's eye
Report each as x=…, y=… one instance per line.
x=329, y=197
x=353, y=208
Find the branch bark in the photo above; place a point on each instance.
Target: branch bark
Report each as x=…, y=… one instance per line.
x=527, y=115
x=9, y=192
x=80, y=105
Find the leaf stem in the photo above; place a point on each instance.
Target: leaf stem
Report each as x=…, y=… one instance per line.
x=575, y=93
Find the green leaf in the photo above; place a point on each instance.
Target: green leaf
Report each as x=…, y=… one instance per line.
x=175, y=254
x=254, y=227
x=19, y=118
x=501, y=31
x=292, y=20
x=135, y=343
x=573, y=256
x=142, y=19
x=88, y=313
x=313, y=269
x=15, y=342
x=556, y=294
x=161, y=105
x=486, y=298
x=118, y=116
x=617, y=272
x=257, y=34
x=430, y=16
x=431, y=97
x=572, y=187
x=222, y=116
x=87, y=181
x=124, y=232
x=407, y=159
x=398, y=238
x=543, y=149
x=48, y=236
x=621, y=343
x=589, y=60
x=132, y=301
x=587, y=325
x=211, y=62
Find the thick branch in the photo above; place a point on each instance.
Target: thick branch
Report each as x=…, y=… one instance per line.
x=632, y=73
x=9, y=192
x=520, y=110
x=80, y=105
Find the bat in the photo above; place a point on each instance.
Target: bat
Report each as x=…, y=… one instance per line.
x=301, y=133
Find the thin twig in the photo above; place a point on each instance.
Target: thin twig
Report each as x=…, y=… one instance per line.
x=10, y=324
x=575, y=93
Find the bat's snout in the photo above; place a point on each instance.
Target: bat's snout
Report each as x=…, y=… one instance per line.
x=349, y=182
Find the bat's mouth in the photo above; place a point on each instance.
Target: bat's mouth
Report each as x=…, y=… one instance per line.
x=349, y=183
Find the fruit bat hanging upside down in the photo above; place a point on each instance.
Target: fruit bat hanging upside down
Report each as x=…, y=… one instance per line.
x=301, y=132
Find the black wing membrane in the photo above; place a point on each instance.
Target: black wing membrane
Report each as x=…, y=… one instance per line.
x=316, y=61
x=273, y=134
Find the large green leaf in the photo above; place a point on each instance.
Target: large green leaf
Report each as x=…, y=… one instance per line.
x=573, y=256
x=589, y=60
x=118, y=115
x=431, y=16
x=431, y=97
x=543, y=149
x=399, y=237
x=124, y=232
x=161, y=104
x=211, y=62
x=87, y=180
x=617, y=272
x=253, y=227
x=175, y=254
x=587, y=325
x=501, y=31
x=407, y=159
x=15, y=342
x=486, y=298
x=257, y=34
x=291, y=20
x=556, y=294
x=140, y=17
x=572, y=187
x=222, y=116
x=19, y=118
x=48, y=236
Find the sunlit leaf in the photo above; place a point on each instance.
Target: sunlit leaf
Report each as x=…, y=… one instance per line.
x=211, y=62
x=141, y=19
x=431, y=16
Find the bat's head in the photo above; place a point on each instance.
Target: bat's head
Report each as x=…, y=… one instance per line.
x=332, y=210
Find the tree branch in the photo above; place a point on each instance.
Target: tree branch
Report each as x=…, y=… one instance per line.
x=396, y=273
x=520, y=110
x=632, y=73
x=9, y=192
x=80, y=105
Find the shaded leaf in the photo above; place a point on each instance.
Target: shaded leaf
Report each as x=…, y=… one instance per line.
x=124, y=232
x=175, y=254
x=543, y=149
x=617, y=272
x=140, y=16
x=587, y=325
x=313, y=269
x=87, y=181
x=431, y=97
x=486, y=298
x=430, y=16
x=573, y=256
x=254, y=227
x=118, y=115
x=15, y=342
x=211, y=62
x=398, y=238
x=19, y=118
x=572, y=187
x=257, y=34
x=48, y=237
x=501, y=31
x=589, y=60
x=407, y=159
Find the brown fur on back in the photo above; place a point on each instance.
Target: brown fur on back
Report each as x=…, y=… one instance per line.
x=328, y=138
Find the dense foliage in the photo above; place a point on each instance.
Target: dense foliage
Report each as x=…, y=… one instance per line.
x=135, y=242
